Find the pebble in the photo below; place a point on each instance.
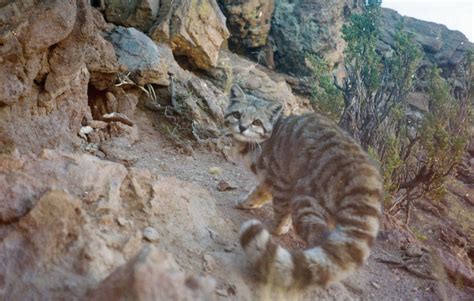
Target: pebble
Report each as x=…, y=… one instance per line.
x=150, y=234
x=209, y=263
x=229, y=249
x=375, y=284
x=86, y=130
x=121, y=221
x=222, y=293
x=214, y=170
x=225, y=186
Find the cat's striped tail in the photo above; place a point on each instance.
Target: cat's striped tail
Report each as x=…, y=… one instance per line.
x=339, y=254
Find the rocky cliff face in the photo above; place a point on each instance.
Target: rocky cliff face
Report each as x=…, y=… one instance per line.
x=300, y=29
x=282, y=34
x=442, y=47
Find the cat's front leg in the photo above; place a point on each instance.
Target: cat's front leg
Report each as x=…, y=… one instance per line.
x=256, y=198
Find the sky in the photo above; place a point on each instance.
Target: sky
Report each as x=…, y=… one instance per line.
x=455, y=14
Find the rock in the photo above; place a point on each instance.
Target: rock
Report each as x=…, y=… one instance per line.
x=50, y=235
x=446, y=47
x=195, y=29
x=117, y=117
x=151, y=234
x=119, y=150
x=72, y=172
x=137, y=13
x=113, y=100
x=215, y=171
x=98, y=257
x=452, y=237
x=225, y=186
x=248, y=21
x=442, y=47
x=375, y=284
x=209, y=263
x=126, y=102
x=18, y=191
x=133, y=245
x=122, y=221
x=85, y=130
x=101, y=62
x=43, y=65
x=74, y=238
x=158, y=197
x=97, y=124
x=413, y=250
x=50, y=23
x=455, y=269
x=148, y=62
x=200, y=105
x=308, y=28
x=229, y=249
x=256, y=80
x=222, y=293
x=152, y=275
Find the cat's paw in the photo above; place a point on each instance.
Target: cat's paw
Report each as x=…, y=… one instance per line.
x=247, y=204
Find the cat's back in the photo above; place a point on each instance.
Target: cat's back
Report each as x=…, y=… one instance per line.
x=306, y=131
x=312, y=151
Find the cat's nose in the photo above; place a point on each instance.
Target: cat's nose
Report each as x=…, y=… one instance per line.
x=242, y=128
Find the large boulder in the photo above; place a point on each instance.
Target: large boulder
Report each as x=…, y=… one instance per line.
x=308, y=28
x=80, y=218
x=147, y=61
x=195, y=29
x=48, y=53
x=257, y=80
x=249, y=21
x=136, y=13
x=24, y=178
x=153, y=275
x=200, y=101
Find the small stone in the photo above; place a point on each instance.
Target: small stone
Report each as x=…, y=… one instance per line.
x=117, y=117
x=413, y=250
x=222, y=293
x=209, y=263
x=229, y=249
x=85, y=130
x=150, y=234
x=122, y=221
x=225, y=186
x=375, y=284
x=215, y=171
x=232, y=289
x=97, y=124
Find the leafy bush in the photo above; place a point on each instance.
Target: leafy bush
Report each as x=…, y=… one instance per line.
x=325, y=97
x=416, y=154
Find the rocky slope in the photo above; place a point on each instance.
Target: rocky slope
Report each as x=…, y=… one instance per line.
x=300, y=29
x=102, y=192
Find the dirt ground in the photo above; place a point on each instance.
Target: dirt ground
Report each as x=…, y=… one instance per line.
x=380, y=279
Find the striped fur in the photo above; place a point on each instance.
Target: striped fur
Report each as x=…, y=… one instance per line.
x=318, y=177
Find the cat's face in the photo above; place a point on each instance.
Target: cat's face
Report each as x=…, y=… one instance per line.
x=250, y=119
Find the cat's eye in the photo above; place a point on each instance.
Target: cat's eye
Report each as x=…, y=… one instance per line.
x=257, y=122
x=236, y=115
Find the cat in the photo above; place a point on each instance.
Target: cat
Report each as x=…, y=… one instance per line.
x=318, y=178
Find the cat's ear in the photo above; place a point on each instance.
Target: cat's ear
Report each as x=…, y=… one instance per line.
x=276, y=110
x=236, y=94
